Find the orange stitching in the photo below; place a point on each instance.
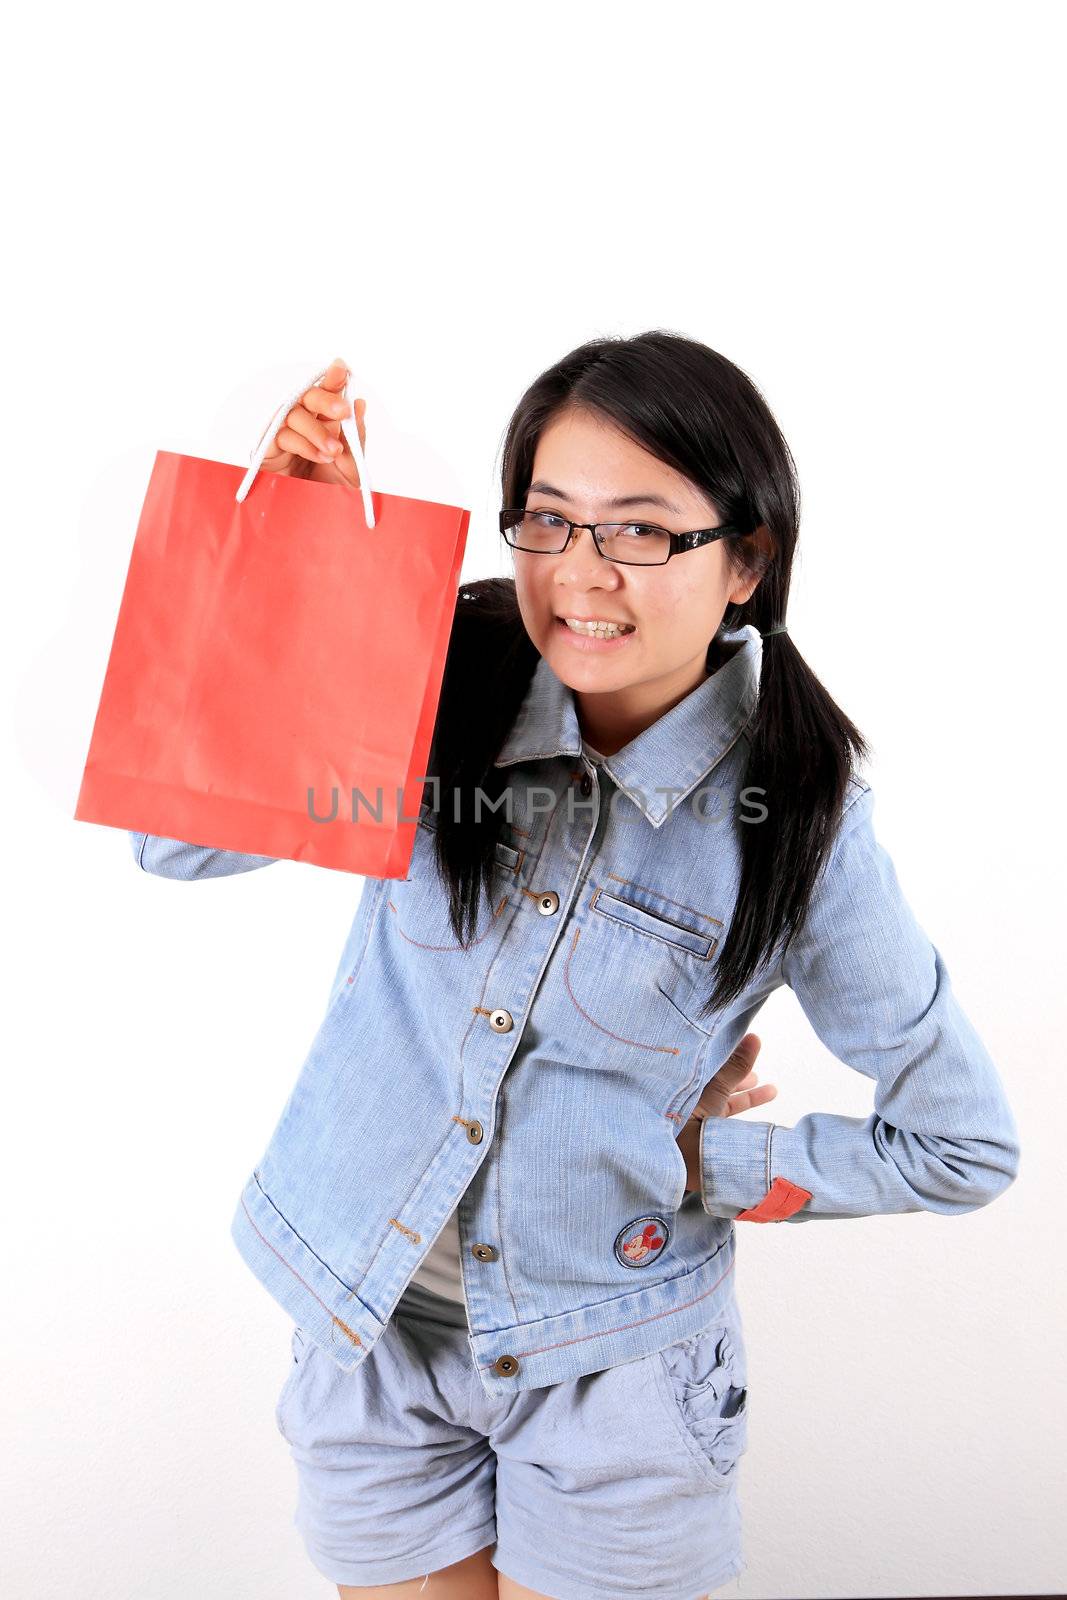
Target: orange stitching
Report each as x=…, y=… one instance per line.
x=623, y=1327
x=420, y=945
x=351, y=1332
x=416, y=1238
x=660, y=1049
x=676, y=1116
x=366, y=940
x=535, y=894
x=677, y=945
x=666, y=899
x=486, y=974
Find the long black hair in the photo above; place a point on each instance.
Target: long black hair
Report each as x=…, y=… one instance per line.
x=701, y=414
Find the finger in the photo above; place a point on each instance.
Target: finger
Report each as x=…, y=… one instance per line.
x=334, y=431
x=334, y=378
x=346, y=461
x=749, y=1098
x=294, y=444
x=747, y=1082
x=712, y=1103
x=298, y=444
x=716, y=1096
x=361, y=430
x=323, y=396
x=741, y=1057
x=732, y=1073
x=323, y=402
x=360, y=417
x=344, y=464
x=314, y=432
x=749, y=1047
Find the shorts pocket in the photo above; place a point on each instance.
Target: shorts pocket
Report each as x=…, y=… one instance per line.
x=298, y=1351
x=709, y=1399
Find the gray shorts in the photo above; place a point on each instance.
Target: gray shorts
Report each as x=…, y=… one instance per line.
x=621, y=1482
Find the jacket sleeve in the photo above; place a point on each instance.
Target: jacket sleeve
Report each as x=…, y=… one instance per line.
x=172, y=858
x=942, y=1136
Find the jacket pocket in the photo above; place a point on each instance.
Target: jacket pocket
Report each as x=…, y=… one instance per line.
x=686, y=930
x=635, y=970
x=708, y=1399
x=419, y=902
x=507, y=857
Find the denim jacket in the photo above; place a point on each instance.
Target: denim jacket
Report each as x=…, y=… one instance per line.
x=541, y=1077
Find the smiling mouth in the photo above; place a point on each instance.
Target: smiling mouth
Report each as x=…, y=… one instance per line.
x=597, y=630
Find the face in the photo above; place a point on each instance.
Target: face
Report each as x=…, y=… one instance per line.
x=623, y=684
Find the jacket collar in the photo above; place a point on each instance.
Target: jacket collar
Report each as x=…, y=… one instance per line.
x=666, y=762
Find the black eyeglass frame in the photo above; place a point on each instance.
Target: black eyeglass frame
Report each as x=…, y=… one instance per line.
x=679, y=542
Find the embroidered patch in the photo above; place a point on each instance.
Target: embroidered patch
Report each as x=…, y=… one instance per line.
x=642, y=1241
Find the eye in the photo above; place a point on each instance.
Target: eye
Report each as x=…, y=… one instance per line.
x=638, y=530
x=545, y=519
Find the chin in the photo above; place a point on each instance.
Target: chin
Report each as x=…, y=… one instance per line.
x=590, y=673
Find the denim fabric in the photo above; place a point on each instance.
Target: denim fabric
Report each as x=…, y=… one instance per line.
x=621, y=1483
x=541, y=1077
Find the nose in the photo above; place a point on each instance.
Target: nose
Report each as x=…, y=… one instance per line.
x=581, y=562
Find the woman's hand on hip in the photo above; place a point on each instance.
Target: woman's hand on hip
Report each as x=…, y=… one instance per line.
x=735, y=1087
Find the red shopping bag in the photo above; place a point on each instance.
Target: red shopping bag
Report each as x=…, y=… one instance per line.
x=277, y=662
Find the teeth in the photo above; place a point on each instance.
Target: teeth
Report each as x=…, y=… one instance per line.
x=599, y=630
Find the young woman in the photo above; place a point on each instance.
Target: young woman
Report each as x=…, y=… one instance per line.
x=500, y=1201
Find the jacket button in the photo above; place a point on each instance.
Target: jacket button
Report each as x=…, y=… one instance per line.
x=483, y=1252
x=548, y=903
x=586, y=785
x=474, y=1132
x=505, y=1366
x=501, y=1021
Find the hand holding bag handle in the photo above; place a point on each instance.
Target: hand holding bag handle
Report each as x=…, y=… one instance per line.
x=348, y=426
x=217, y=733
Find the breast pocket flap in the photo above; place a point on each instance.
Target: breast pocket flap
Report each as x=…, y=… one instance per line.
x=503, y=853
x=698, y=941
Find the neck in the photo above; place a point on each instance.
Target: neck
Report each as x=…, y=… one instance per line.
x=611, y=720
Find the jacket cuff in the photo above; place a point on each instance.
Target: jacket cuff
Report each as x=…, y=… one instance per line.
x=734, y=1164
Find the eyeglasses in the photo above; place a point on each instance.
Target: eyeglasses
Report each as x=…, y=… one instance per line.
x=634, y=544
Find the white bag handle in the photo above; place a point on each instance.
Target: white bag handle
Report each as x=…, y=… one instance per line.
x=348, y=426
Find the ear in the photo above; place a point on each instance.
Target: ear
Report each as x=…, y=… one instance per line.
x=758, y=549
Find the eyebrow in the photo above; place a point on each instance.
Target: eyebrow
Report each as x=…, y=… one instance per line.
x=617, y=504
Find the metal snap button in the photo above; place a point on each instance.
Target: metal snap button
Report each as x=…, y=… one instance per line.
x=483, y=1252
x=505, y=1366
x=548, y=903
x=586, y=785
x=474, y=1132
x=501, y=1021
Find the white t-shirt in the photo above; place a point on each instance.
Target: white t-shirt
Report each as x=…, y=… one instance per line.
x=440, y=1272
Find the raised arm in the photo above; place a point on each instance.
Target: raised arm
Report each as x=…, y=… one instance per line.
x=173, y=858
x=942, y=1136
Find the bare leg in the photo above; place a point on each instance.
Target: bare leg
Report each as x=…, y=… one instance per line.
x=473, y=1578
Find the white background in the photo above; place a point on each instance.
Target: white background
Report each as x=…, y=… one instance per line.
x=857, y=204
